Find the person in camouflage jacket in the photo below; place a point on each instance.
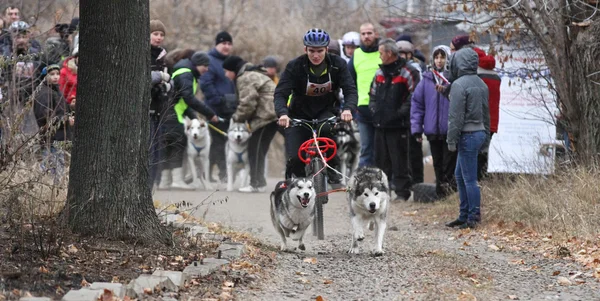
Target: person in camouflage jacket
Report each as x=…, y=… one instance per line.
x=255, y=91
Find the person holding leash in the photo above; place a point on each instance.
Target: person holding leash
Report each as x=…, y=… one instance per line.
x=255, y=92
x=174, y=139
x=313, y=80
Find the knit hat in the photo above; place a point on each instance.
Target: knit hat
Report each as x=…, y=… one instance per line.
x=200, y=58
x=404, y=37
x=405, y=47
x=157, y=25
x=233, y=63
x=460, y=42
x=270, y=62
x=50, y=68
x=223, y=36
x=486, y=61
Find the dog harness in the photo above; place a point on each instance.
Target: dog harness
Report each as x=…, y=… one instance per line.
x=240, y=157
x=198, y=149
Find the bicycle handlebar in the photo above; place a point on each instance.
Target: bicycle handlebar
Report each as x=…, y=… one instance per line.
x=298, y=121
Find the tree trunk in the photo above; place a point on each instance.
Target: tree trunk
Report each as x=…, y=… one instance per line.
x=108, y=188
x=584, y=121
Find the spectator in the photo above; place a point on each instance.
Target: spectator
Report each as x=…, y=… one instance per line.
x=255, y=90
x=54, y=123
x=271, y=64
x=25, y=72
x=362, y=66
x=389, y=104
x=68, y=78
x=173, y=57
x=419, y=56
x=173, y=135
x=350, y=41
x=12, y=14
x=219, y=95
x=468, y=132
x=458, y=42
x=159, y=94
x=429, y=116
x=486, y=72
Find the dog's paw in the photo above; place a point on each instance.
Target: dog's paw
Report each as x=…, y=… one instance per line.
x=283, y=247
x=377, y=253
x=353, y=251
x=302, y=247
x=360, y=237
x=229, y=189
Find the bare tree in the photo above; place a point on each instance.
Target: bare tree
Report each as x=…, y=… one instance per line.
x=108, y=189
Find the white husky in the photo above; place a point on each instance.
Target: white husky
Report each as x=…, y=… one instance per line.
x=198, y=147
x=369, y=198
x=237, y=154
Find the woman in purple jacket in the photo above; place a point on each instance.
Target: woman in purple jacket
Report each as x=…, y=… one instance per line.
x=429, y=116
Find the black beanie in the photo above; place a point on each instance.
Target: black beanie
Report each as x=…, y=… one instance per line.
x=223, y=36
x=233, y=63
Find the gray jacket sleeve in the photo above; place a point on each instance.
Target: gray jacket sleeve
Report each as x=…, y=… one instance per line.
x=456, y=114
x=486, y=123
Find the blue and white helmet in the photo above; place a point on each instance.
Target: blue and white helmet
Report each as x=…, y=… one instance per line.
x=19, y=26
x=316, y=38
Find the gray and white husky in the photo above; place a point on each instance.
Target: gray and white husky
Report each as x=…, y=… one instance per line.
x=237, y=160
x=292, y=209
x=369, y=197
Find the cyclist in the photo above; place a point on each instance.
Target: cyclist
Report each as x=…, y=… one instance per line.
x=312, y=80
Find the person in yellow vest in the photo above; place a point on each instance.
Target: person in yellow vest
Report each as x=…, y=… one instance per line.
x=185, y=80
x=362, y=66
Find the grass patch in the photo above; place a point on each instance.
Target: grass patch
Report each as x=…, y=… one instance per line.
x=565, y=204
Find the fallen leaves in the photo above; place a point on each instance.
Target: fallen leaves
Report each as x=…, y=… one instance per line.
x=494, y=247
x=327, y=281
x=310, y=260
x=555, y=273
x=413, y=213
x=303, y=280
x=72, y=249
x=564, y=281
x=319, y=298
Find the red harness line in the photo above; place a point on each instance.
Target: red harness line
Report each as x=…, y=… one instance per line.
x=330, y=192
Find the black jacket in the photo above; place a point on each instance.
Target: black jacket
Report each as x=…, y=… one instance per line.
x=158, y=93
x=49, y=109
x=391, y=93
x=183, y=85
x=294, y=80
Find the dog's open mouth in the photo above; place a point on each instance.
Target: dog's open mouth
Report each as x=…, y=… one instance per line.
x=303, y=201
x=372, y=210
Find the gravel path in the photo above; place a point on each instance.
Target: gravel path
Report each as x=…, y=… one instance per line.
x=421, y=262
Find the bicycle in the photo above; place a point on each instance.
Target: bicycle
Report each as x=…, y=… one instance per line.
x=311, y=153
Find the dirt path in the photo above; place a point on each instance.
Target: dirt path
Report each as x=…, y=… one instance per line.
x=422, y=262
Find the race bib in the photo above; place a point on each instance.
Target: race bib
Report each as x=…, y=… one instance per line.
x=313, y=89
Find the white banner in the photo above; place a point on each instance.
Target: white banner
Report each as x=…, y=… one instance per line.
x=527, y=115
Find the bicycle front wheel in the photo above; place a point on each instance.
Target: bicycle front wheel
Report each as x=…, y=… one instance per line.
x=319, y=182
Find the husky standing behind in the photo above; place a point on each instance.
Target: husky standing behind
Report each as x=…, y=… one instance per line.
x=347, y=140
x=237, y=153
x=292, y=209
x=198, y=148
x=369, y=198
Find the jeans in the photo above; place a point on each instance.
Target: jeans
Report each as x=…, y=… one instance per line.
x=216, y=155
x=53, y=162
x=466, y=175
x=367, y=136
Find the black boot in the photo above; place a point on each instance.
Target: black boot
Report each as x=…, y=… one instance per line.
x=455, y=223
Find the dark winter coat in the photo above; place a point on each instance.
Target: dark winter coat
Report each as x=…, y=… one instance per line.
x=219, y=91
x=294, y=81
x=391, y=94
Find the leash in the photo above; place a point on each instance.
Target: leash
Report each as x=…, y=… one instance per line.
x=331, y=191
x=216, y=129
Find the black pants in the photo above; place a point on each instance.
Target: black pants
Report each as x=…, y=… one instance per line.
x=294, y=137
x=258, y=147
x=482, y=164
x=444, y=163
x=174, y=141
x=216, y=155
x=416, y=161
x=392, y=156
